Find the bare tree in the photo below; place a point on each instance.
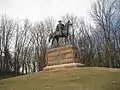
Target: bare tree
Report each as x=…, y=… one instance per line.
x=104, y=13
x=6, y=30
x=22, y=48
x=39, y=36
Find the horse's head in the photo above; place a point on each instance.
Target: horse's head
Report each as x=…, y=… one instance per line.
x=67, y=25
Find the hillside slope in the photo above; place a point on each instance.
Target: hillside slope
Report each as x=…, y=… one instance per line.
x=71, y=79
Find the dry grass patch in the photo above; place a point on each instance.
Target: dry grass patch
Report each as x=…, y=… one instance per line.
x=70, y=79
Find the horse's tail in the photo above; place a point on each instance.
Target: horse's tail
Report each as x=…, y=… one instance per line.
x=50, y=37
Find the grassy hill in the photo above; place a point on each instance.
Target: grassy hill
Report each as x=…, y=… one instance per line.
x=71, y=79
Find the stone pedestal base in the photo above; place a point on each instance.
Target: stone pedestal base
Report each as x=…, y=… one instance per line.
x=63, y=66
x=61, y=58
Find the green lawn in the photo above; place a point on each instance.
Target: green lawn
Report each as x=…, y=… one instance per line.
x=71, y=79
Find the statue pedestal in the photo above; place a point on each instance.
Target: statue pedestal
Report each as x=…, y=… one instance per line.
x=62, y=58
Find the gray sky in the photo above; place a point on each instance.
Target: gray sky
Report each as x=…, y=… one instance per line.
x=36, y=10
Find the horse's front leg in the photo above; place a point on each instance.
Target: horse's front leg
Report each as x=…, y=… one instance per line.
x=57, y=42
x=66, y=39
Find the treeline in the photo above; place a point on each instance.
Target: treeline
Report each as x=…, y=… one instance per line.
x=23, y=44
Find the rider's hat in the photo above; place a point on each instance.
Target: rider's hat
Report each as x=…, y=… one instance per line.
x=59, y=21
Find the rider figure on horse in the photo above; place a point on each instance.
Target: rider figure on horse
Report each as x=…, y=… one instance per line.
x=61, y=31
x=60, y=27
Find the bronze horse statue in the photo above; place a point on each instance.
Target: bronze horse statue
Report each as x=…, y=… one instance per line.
x=56, y=35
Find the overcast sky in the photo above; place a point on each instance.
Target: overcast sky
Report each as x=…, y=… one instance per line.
x=36, y=10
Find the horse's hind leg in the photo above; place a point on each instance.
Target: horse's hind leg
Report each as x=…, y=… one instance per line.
x=50, y=37
x=53, y=41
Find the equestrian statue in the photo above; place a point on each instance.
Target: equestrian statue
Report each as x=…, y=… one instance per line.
x=61, y=31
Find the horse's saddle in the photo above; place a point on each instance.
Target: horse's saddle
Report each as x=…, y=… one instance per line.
x=63, y=32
